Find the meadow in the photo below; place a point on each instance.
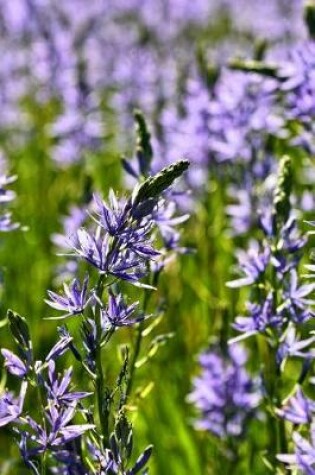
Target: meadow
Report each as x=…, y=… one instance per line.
x=156, y=249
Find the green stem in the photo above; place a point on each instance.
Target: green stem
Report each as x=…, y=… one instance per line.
x=282, y=440
x=267, y=355
x=276, y=425
x=103, y=414
x=102, y=395
x=137, y=346
x=41, y=402
x=43, y=467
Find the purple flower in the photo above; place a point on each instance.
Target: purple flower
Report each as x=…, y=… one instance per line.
x=69, y=460
x=224, y=393
x=61, y=405
x=241, y=116
x=62, y=345
x=10, y=407
x=253, y=263
x=295, y=300
x=57, y=389
x=118, y=313
x=187, y=134
x=112, y=217
x=298, y=82
x=293, y=241
x=6, y=223
x=75, y=300
x=290, y=243
x=13, y=363
x=94, y=249
x=59, y=431
x=164, y=217
x=118, y=261
x=274, y=20
x=251, y=201
x=111, y=460
x=140, y=245
x=129, y=267
x=78, y=130
x=124, y=221
x=304, y=456
x=241, y=212
x=261, y=317
x=298, y=409
x=6, y=195
x=292, y=346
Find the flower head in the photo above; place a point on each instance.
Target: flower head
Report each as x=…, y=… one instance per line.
x=253, y=263
x=261, y=317
x=118, y=314
x=13, y=363
x=11, y=407
x=299, y=409
x=75, y=299
x=304, y=456
x=291, y=345
x=58, y=388
x=224, y=393
x=113, y=216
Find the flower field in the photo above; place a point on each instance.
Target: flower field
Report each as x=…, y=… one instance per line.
x=157, y=271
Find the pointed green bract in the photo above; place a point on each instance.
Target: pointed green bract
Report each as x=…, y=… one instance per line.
x=153, y=186
x=253, y=66
x=19, y=329
x=281, y=200
x=144, y=148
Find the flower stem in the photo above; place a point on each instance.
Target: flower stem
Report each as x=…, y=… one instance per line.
x=137, y=346
x=102, y=408
x=276, y=425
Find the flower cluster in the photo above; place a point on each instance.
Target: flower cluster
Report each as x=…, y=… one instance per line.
x=62, y=50
x=280, y=302
x=59, y=403
x=117, y=248
x=225, y=394
x=231, y=125
x=304, y=458
x=299, y=410
x=297, y=75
